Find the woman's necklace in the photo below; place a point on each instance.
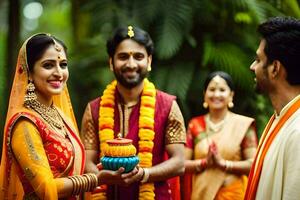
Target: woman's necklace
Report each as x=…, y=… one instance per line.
x=215, y=127
x=49, y=114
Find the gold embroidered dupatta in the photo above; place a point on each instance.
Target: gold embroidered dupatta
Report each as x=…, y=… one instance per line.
x=207, y=184
x=10, y=185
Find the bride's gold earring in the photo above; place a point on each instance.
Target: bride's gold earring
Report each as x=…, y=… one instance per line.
x=30, y=95
x=205, y=105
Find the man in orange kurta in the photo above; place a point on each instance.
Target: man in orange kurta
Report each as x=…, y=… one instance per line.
x=275, y=173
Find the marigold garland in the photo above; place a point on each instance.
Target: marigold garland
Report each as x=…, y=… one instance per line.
x=146, y=129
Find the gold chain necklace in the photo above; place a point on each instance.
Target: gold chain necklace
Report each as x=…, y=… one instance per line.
x=49, y=114
x=215, y=127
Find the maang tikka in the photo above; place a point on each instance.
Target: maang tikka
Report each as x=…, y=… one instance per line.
x=30, y=95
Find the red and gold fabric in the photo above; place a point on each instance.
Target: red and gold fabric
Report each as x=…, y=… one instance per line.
x=33, y=152
x=127, y=122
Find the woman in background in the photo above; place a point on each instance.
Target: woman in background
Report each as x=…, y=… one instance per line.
x=220, y=145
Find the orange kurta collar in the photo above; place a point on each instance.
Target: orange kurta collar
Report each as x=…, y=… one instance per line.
x=263, y=147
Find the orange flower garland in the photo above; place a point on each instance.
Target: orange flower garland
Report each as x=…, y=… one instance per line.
x=146, y=129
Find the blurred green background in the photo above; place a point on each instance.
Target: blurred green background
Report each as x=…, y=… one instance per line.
x=191, y=37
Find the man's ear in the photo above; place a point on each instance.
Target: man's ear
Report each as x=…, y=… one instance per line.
x=111, y=66
x=276, y=68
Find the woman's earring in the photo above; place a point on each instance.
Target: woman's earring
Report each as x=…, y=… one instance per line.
x=205, y=105
x=230, y=104
x=149, y=68
x=30, y=95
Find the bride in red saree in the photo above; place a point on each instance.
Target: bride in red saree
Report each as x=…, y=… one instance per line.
x=42, y=155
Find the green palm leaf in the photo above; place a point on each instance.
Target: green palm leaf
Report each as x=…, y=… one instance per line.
x=174, y=23
x=230, y=58
x=260, y=10
x=175, y=79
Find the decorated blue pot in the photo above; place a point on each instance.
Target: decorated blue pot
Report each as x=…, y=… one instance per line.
x=114, y=163
x=119, y=153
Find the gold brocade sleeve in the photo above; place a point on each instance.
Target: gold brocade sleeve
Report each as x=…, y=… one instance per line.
x=175, y=131
x=29, y=152
x=88, y=133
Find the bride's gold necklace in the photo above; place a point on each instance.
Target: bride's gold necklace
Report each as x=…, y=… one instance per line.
x=48, y=113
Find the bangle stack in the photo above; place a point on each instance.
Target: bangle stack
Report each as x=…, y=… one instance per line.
x=201, y=165
x=228, y=166
x=83, y=183
x=145, y=176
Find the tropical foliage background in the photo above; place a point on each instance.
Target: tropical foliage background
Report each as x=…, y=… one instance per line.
x=191, y=37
